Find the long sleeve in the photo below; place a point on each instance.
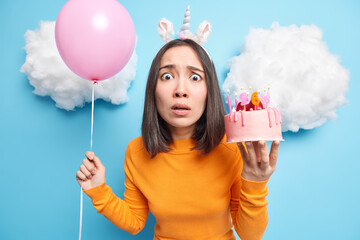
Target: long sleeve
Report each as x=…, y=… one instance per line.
x=187, y=192
x=248, y=208
x=129, y=214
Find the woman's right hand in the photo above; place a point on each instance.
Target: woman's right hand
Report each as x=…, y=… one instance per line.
x=92, y=172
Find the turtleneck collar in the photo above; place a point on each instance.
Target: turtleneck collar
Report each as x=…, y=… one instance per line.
x=183, y=145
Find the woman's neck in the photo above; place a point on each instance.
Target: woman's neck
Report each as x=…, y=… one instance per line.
x=182, y=133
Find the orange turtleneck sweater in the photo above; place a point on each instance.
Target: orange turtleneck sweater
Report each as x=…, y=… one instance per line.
x=192, y=196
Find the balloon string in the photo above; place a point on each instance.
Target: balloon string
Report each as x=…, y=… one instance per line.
x=81, y=210
x=92, y=114
x=91, y=143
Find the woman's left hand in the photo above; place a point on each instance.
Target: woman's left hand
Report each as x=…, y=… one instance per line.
x=258, y=164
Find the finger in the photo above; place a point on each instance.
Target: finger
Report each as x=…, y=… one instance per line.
x=257, y=151
x=80, y=176
x=90, y=166
x=91, y=156
x=274, y=152
x=251, y=159
x=242, y=149
x=97, y=162
x=264, y=154
x=85, y=172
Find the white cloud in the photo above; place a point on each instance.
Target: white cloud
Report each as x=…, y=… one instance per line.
x=307, y=82
x=49, y=75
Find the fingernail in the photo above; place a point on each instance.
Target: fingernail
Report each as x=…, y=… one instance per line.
x=93, y=172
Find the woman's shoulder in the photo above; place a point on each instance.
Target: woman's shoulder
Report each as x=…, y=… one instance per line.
x=136, y=148
x=231, y=147
x=228, y=155
x=136, y=144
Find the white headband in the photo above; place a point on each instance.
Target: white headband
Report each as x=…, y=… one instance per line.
x=166, y=30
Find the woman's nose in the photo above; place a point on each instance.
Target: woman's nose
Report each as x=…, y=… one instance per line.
x=180, y=94
x=180, y=90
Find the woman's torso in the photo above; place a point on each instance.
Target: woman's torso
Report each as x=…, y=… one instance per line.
x=188, y=193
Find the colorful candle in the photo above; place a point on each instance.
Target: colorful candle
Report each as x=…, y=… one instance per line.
x=255, y=100
x=247, y=94
x=244, y=100
x=236, y=101
x=229, y=103
x=265, y=99
x=235, y=113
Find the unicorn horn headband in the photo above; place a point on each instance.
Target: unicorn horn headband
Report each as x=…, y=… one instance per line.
x=166, y=30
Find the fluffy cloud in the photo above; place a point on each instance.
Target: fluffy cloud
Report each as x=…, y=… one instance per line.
x=307, y=82
x=49, y=75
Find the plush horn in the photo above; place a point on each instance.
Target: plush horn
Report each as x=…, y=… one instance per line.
x=185, y=28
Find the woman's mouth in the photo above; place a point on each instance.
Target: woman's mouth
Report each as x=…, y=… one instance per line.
x=180, y=109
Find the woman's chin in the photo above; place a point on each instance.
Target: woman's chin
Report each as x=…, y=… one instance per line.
x=181, y=124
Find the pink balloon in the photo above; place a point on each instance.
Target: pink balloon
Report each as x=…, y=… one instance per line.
x=95, y=38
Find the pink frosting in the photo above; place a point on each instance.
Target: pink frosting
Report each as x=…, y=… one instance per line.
x=257, y=125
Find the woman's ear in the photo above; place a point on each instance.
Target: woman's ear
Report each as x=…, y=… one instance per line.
x=202, y=32
x=166, y=30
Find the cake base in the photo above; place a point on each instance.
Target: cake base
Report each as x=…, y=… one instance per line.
x=257, y=125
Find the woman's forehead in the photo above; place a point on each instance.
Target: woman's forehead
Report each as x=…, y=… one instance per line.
x=181, y=56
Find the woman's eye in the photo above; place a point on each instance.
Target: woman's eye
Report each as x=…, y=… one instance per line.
x=195, y=77
x=166, y=76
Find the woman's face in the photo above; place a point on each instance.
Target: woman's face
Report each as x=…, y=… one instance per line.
x=180, y=92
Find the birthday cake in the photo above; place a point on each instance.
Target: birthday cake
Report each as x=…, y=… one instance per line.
x=253, y=120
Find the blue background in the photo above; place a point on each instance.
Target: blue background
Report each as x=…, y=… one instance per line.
x=313, y=194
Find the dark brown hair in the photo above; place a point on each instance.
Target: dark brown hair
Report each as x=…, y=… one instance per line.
x=210, y=128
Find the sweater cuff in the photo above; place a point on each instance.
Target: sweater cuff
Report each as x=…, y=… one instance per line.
x=254, y=187
x=97, y=192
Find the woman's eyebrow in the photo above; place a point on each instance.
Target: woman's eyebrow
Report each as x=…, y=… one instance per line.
x=189, y=67
x=167, y=66
x=195, y=68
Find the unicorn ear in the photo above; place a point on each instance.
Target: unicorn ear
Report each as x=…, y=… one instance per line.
x=202, y=32
x=166, y=30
